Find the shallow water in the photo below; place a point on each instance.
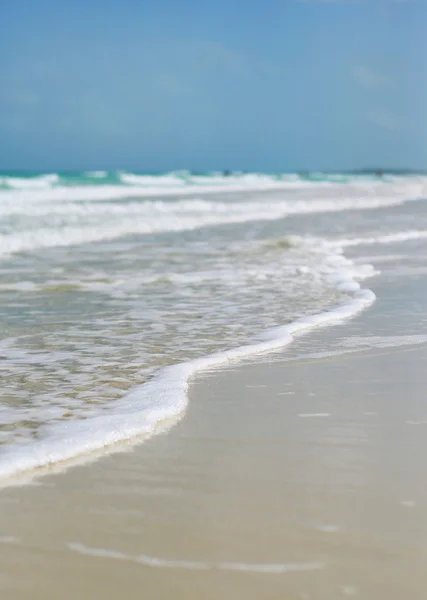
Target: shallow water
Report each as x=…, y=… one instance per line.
x=105, y=280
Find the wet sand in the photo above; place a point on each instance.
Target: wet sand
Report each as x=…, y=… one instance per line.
x=294, y=478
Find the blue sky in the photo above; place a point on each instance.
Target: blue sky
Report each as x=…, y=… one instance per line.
x=254, y=84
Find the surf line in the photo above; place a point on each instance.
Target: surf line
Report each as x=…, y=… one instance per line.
x=162, y=400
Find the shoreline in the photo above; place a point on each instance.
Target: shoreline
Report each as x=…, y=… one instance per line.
x=292, y=477
x=125, y=428
x=148, y=408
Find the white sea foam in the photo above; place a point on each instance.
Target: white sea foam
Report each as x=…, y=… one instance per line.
x=42, y=182
x=152, y=181
x=48, y=188
x=390, y=238
x=164, y=397
x=41, y=221
x=314, y=415
x=136, y=187
x=355, y=344
x=384, y=341
x=148, y=407
x=165, y=563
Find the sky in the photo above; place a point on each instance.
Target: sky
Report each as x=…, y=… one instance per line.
x=265, y=85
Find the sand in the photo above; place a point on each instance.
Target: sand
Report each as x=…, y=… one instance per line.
x=290, y=478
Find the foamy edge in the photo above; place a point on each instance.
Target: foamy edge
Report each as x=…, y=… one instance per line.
x=156, y=562
x=147, y=407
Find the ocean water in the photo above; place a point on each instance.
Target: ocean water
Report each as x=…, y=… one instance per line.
x=116, y=288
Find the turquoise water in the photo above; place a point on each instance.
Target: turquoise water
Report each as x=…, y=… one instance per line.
x=15, y=179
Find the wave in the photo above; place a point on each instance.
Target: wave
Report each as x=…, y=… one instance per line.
x=40, y=182
x=389, y=238
x=164, y=398
x=32, y=224
x=177, y=181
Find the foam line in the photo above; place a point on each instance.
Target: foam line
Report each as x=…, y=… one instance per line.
x=314, y=415
x=152, y=561
x=46, y=188
x=391, y=238
x=146, y=407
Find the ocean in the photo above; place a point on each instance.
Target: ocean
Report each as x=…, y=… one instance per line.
x=116, y=288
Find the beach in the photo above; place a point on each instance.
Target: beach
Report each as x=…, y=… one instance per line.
x=213, y=386
x=300, y=475
x=213, y=300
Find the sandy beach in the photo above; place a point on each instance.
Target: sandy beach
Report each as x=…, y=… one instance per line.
x=213, y=300
x=300, y=476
